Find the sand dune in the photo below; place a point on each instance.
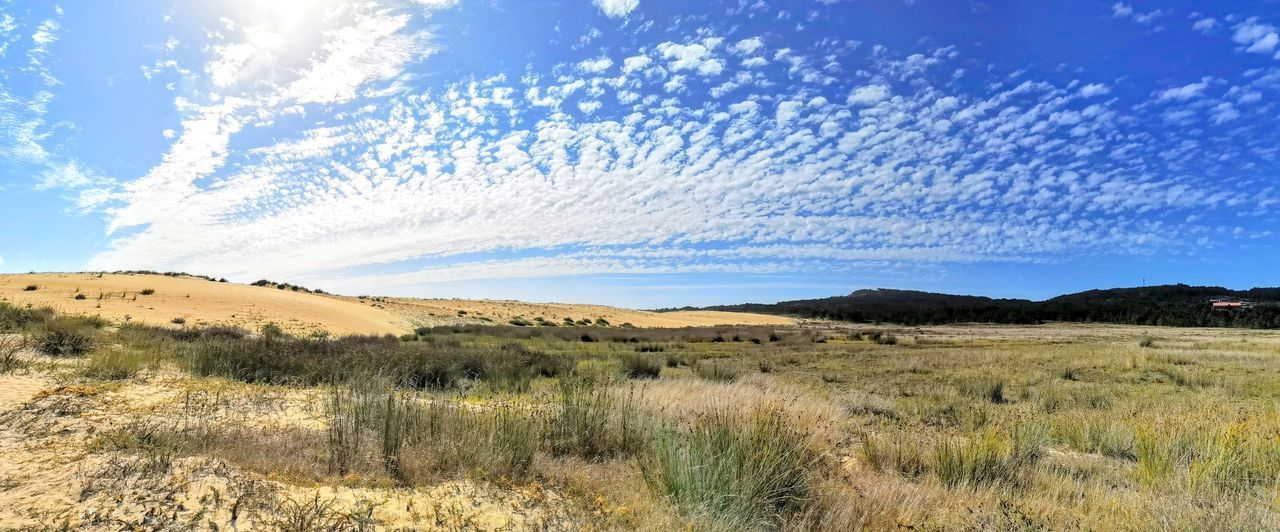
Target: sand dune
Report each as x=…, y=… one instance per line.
x=199, y=301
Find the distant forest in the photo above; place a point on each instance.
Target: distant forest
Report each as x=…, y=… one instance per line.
x=1172, y=305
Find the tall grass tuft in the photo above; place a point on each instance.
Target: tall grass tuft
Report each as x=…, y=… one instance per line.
x=116, y=364
x=991, y=457
x=66, y=337
x=593, y=421
x=715, y=370
x=731, y=474
x=417, y=440
x=641, y=366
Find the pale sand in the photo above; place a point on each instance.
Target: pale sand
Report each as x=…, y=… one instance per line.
x=445, y=312
x=203, y=302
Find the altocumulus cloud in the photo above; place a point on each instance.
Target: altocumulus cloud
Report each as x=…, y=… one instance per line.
x=708, y=153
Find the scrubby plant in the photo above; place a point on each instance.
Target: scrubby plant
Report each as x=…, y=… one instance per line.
x=65, y=337
x=31, y=288
x=732, y=474
x=593, y=421
x=715, y=370
x=11, y=346
x=639, y=366
x=115, y=364
x=147, y=291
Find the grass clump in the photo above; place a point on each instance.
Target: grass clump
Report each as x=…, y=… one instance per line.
x=894, y=452
x=115, y=364
x=715, y=370
x=638, y=366
x=376, y=429
x=730, y=473
x=11, y=346
x=990, y=457
x=593, y=422
x=66, y=337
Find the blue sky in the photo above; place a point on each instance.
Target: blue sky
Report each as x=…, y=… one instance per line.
x=645, y=153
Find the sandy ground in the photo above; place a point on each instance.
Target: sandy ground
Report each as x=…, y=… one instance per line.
x=198, y=301
x=51, y=478
x=203, y=302
x=447, y=312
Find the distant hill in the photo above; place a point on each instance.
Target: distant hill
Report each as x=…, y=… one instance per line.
x=1172, y=305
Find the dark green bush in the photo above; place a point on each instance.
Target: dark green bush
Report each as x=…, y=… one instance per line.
x=638, y=366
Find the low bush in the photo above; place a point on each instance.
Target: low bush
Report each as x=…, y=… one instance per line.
x=64, y=337
x=147, y=291
x=31, y=288
x=592, y=421
x=731, y=474
x=11, y=345
x=115, y=364
x=715, y=370
x=638, y=366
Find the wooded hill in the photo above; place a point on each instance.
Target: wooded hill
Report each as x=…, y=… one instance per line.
x=1177, y=305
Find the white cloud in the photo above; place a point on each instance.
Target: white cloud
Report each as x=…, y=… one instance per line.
x=1120, y=10
x=616, y=8
x=1256, y=37
x=596, y=66
x=787, y=111
x=747, y=46
x=691, y=57
x=1094, y=89
x=1185, y=92
x=868, y=95
x=450, y=184
x=1205, y=25
x=635, y=63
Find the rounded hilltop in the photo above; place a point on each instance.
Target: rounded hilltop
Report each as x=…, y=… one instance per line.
x=189, y=300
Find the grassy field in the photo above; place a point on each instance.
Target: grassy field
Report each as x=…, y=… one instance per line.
x=829, y=427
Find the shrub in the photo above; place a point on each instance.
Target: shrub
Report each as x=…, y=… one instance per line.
x=417, y=440
x=519, y=322
x=650, y=348
x=715, y=371
x=895, y=453
x=147, y=291
x=115, y=364
x=979, y=459
x=14, y=318
x=80, y=297
x=10, y=346
x=593, y=422
x=178, y=321
x=737, y=475
x=1090, y=434
x=987, y=388
x=31, y=288
x=65, y=338
x=638, y=366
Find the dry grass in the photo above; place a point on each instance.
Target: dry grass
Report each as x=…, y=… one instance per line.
x=1062, y=426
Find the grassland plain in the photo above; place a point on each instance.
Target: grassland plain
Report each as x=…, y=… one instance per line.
x=822, y=426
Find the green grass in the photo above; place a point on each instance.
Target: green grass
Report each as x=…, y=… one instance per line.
x=731, y=474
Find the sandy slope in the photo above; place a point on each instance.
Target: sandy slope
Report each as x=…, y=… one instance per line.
x=446, y=312
x=199, y=301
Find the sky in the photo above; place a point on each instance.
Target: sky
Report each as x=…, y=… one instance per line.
x=645, y=153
